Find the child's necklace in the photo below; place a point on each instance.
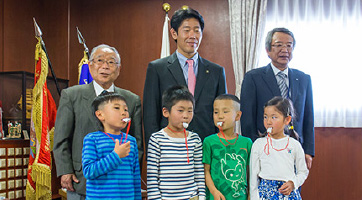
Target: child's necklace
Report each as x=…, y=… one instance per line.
x=129, y=125
x=222, y=132
x=120, y=142
x=187, y=148
x=271, y=144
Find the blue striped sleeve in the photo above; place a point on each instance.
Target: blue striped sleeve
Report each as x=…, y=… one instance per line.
x=93, y=167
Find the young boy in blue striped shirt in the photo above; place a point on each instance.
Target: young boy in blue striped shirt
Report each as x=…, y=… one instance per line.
x=174, y=162
x=110, y=157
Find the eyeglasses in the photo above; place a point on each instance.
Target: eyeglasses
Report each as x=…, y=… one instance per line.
x=111, y=62
x=280, y=46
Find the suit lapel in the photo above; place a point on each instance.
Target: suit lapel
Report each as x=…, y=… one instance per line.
x=271, y=81
x=175, y=69
x=88, y=98
x=293, y=84
x=203, y=75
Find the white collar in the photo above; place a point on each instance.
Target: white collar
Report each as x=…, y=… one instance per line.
x=276, y=70
x=98, y=89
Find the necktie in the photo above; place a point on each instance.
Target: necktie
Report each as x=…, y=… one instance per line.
x=283, y=84
x=191, y=82
x=104, y=92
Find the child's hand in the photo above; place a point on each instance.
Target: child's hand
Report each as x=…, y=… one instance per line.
x=217, y=195
x=287, y=188
x=122, y=149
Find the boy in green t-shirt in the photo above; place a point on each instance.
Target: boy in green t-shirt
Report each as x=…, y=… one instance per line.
x=226, y=154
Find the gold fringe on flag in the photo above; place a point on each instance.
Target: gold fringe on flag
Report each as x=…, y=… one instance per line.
x=81, y=63
x=40, y=172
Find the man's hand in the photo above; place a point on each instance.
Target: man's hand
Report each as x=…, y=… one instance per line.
x=123, y=149
x=67, y=181
x=287, y=188
x=308, y=160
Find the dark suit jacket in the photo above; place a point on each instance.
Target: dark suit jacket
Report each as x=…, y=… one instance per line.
x=75, y=120
x=166, y=72
x=259, y=86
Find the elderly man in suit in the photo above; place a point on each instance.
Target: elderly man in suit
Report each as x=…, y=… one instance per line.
x=205, y=80
x=75, y=118
x=277, y=79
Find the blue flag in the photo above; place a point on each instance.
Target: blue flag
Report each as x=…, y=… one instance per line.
x=84, y=75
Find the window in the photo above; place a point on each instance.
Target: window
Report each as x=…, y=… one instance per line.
x=328, y=46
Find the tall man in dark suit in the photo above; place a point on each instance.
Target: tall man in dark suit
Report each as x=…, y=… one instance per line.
x=75, y=118
x=261, y=84
x=187, y=26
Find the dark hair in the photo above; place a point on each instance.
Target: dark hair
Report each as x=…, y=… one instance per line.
x=180, y=15
x=285, y=107
x=269, y=37
x=228, y=97
x=102, y=99
x=175, y=94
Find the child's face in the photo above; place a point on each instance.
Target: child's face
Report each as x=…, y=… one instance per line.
x=182, y=111
x=112, y=114
x=225, y=111
x=273, y=118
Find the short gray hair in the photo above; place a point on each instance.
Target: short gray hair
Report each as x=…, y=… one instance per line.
x=104, y=46
x=269, y=37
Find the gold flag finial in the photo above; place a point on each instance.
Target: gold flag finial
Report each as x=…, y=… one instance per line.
x=184, y=7
x=166, y=7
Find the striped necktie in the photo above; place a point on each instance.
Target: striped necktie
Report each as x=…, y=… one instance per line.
x=282, y=83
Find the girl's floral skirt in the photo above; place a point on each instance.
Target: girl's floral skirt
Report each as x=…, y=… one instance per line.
x=268, y=189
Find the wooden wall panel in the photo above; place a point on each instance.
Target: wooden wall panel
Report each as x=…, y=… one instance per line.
x=1, y=35
x=19, y=35
x=336, y=172
x=135, y=29
x=19, y=42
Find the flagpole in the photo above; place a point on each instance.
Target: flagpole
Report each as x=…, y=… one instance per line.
x=38, y=33
x=82, y=41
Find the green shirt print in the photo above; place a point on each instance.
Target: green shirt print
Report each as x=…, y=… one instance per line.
x=228, y=162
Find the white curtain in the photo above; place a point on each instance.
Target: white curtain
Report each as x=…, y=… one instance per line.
x=247, y=20
x=328, y=40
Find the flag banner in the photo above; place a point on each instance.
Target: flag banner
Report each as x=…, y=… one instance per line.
x=165, y=49
x=43, y=115
x=83, y=70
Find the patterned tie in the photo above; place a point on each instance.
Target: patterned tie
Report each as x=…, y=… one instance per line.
x=283, y=84
x=191, y=76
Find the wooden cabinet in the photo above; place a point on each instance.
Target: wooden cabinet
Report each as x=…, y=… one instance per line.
x=14, y=160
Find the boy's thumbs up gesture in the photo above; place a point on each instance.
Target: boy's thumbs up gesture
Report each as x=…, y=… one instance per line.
x=122, y=149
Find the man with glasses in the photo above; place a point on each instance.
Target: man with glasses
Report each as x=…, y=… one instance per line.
x=75, y=118
x=277, y=79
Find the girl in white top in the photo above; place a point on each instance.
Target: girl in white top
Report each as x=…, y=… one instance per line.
x=277, y=161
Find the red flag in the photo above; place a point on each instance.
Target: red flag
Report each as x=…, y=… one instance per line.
x=41, y=131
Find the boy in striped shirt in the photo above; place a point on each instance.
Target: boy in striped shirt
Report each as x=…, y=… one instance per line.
x=174, y=163
x=110, y=157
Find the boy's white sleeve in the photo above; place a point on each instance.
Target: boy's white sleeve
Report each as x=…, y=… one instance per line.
x=254, y=171
x=153, y=167
x=199, y=170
